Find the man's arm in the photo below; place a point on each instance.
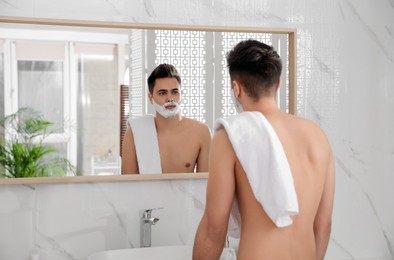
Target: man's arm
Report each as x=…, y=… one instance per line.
x=323, y=219
x=211, y=233
x=129, y=156
x=203, y=155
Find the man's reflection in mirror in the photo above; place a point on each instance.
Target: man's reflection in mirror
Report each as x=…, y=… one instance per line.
x=166, y=142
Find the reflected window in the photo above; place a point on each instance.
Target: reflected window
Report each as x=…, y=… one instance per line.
x=40, y=86
x=41, y=82
x=73, y=82
x=1, y=76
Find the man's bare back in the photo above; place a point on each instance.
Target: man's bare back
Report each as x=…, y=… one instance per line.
x=309, y=156
x=255, y=69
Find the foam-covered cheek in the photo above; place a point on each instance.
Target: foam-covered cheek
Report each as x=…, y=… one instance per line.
x=167, y=113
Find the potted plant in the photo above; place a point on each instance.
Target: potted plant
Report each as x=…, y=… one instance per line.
x=23, y=152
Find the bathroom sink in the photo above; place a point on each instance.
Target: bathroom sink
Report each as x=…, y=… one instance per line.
x=155, y=253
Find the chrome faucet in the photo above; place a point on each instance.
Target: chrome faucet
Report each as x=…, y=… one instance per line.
x=146, y=223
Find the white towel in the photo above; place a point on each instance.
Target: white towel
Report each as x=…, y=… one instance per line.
x=146, y=144
x=261, y=155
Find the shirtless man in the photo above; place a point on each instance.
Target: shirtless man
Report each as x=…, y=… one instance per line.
x=255, y=70
x=183, y=142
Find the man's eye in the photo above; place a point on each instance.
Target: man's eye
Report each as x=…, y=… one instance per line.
x=175, y=92
x=161, y=93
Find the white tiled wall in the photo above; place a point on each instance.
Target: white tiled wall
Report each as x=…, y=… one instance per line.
x=345, y=84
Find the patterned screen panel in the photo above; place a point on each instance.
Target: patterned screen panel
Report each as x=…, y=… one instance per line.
x=186, y=50
x=226, y=42
x=200, y=58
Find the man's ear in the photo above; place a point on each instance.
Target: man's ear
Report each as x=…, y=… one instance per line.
x=237, y=89
x=150, y=97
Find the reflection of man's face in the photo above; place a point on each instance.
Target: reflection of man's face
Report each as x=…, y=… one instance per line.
x=165, y=90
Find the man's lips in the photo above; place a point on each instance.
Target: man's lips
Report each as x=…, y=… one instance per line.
x=170, y=107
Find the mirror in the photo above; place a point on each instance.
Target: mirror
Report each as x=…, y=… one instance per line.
x=88, y=77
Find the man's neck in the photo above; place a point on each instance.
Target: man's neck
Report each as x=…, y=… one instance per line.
x=164, y=124
x=263, y=105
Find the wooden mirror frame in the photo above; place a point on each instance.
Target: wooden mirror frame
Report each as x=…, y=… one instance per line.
x=291, y=32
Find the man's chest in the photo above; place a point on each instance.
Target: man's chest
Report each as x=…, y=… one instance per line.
x=178, y=153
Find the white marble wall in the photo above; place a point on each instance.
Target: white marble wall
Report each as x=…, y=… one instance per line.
x=345, y=84
x=72, y=221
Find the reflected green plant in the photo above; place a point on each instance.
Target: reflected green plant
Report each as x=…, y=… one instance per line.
x=23, y=152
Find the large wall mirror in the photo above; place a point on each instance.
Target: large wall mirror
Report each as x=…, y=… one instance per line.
x=88, y=77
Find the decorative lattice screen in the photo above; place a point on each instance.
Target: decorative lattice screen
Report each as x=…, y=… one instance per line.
x=200, y=58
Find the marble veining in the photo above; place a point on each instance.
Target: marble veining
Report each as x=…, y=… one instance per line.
x=370, y=32
x=32, y=187
x=315, y=115
x=116, y=213
x=8, y=3
x=324, y=67
x=149, y=8
x=113, y=7
x=255, y=11
x=185, y=190
x=371, y=204
x=341, y=11
x=343, y=249
x=55, y=246
x=389, y=30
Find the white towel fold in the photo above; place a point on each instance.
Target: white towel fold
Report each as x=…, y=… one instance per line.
x=146, y=144
x=261, y=155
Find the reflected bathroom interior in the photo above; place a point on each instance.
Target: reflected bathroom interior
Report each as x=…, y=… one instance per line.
x=94, y=78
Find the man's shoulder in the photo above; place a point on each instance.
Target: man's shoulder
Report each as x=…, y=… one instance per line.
x=308, y=125
x=195, y=123
x=198, y=129
x=311, y=132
